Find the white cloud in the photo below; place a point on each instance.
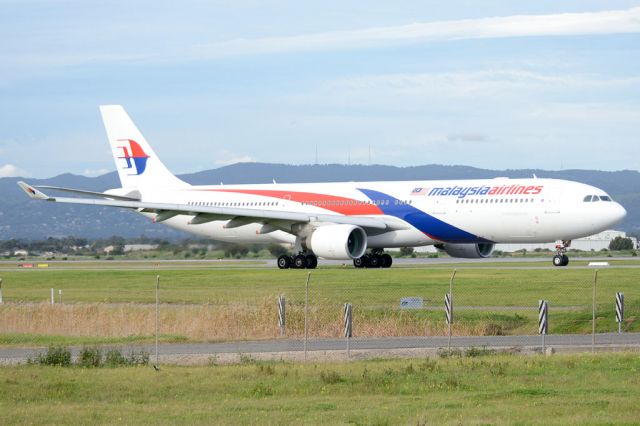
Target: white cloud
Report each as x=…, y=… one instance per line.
x=563, y=24
x=473, y=83
x=95, y=172
x=228, y=158
x=9, y=170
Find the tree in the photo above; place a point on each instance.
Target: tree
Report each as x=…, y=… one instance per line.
x=406, y=251
x=621, y=243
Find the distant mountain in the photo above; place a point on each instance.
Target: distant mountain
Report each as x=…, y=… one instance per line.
x=21, y=217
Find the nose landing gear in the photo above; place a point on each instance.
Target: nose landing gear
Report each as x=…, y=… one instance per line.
x=561, y=259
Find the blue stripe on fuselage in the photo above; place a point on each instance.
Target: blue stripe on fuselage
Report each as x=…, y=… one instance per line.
x=429, y=225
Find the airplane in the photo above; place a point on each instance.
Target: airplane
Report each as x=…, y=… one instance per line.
x=352, y=221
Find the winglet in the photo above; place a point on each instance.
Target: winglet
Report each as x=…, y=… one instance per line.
x=32, y=192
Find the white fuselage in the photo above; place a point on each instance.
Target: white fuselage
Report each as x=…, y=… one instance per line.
x=497, y=210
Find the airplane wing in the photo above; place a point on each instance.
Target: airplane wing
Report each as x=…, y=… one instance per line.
x=83, y=192
x=203, y=214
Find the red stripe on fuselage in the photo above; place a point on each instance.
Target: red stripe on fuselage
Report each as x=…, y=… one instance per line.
x=341, y=205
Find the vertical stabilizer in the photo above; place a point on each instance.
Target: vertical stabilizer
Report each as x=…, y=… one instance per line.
x=138, y=166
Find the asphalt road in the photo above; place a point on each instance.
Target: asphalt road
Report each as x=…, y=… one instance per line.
x=564, y=341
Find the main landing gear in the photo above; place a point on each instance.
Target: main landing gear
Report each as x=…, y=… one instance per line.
x=375, y=259
x=300, y=261
x=561, y=259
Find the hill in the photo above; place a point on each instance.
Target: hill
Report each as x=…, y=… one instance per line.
x=21, y=217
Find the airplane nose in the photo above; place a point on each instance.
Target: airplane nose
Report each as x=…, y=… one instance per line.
x=619, y=212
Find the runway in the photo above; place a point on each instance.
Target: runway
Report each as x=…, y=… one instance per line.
x=507, y=263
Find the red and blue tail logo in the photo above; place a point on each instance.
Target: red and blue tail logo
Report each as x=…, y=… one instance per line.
x=136, y=153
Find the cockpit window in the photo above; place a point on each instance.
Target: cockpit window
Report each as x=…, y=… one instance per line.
x=595, y=198
x=587, y=199
x=605, y=198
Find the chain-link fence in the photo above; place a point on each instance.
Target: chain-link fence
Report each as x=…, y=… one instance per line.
x=215, y=309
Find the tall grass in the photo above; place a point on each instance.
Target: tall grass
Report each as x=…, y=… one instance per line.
x=232, y=321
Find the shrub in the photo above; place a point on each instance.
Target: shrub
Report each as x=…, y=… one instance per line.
x=138, y=358
x=330, y=377
x=90, y=357
x=55, y=355
x=114, y=358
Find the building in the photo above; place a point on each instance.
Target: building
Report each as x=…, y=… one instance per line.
x=139, y=247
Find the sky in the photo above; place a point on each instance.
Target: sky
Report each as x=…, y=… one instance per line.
x=497, y=84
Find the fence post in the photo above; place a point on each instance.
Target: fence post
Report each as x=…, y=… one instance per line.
x=449, y=309
x=306, y=312
x=619, y=310
x=281, y=314
x=348, y=324
x=448, y=312
x=543, y=321
x=1, y=290
x=157, y=367
x=593, y=313
x=52, y=297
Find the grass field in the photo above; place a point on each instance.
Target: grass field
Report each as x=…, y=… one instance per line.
x=229, y=303
x=563, y=389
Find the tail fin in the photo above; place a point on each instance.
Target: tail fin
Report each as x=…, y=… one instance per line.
x=138, y=166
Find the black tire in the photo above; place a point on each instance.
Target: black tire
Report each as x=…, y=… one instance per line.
x=387, y=261
x=300, y=261
x=565, y=260
x=374, y=261
x=312, y=261
x=284, y=262
x=359, y=262
x=557, y=260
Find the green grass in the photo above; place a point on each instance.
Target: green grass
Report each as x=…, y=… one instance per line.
x=28, y=339
x=495, y=389
x=473, y=286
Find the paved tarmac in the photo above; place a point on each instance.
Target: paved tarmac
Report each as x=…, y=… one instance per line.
x=564, y=341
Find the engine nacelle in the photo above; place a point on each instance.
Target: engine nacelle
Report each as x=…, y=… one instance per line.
x=340, y=242
x=468, y=251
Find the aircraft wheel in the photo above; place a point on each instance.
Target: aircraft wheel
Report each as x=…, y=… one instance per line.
x=312, y=261
x=359, y=262
x=565, y=260
x=558, y=260
x=374, y=261
x=300, y=261
x=387, y=260
x=284, y=262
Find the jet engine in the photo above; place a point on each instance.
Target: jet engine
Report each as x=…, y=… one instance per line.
x=340, y=242
x=469, y=251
